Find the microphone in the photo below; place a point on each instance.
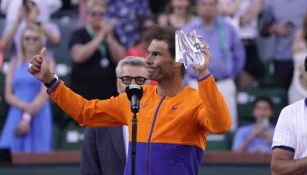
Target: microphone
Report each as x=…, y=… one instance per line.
x=134, y=93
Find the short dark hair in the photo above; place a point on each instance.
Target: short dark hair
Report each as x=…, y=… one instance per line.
x=166, y=34
x=265, y=99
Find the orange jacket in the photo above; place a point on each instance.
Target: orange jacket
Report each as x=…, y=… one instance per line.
x=184, y=119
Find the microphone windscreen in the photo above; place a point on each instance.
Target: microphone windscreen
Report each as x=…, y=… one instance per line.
x=134, y=89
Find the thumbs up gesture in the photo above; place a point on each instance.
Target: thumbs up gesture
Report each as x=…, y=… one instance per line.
x=41, y=67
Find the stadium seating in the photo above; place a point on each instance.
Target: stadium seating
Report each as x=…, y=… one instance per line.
x=219, y=142
x=245, y=98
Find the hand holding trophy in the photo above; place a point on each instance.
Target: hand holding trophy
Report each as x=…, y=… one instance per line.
x=192, y=50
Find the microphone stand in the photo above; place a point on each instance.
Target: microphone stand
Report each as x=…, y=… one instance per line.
x=133, y=147
x=134, y=94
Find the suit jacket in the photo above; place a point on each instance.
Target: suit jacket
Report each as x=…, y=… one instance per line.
x=103, y=151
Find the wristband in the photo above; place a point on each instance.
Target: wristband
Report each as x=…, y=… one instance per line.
x=52, y=81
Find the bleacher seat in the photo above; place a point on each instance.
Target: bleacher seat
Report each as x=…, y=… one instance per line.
x=219, y=142
x=246, y=97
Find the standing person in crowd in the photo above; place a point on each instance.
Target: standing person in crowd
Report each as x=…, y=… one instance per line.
x=298, y=86
x=172, y=128
x=125, y=16
x=177, y=15
x=289, y=155
x=28, y=127
x=105, y=149
x=95, y=51
x=281, y=24
x=29, y=13
x=243, y=15
x=226, y=48
x=256, y=137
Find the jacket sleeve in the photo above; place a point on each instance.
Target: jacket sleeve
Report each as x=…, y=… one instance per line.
x=92, y=113
x=213, y=113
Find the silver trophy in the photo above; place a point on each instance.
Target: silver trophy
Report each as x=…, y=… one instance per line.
x=188, y=49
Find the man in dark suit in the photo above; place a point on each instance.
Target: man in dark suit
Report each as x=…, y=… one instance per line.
x=105, y=148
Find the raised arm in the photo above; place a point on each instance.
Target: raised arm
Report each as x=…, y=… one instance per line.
x=80, y=53
x=52, y=34
x=89, y=113
x=86, y=113
x=213, y=113
x=40, y=99
x=117, y=51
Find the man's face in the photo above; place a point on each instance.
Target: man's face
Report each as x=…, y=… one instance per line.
x=261, y=110
x=207, y=9
x=95, y=16
x=130, y=71
x=31, y=41
x=159, y=61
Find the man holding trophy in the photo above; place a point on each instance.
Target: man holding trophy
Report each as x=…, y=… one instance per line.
x=174, y=120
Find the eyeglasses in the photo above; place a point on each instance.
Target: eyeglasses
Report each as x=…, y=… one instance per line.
x=128, y=79
x=97, y=14
x=29, y=38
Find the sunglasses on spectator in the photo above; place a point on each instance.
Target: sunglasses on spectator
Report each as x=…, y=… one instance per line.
x=29, y=38
x=97, y=14
x=128, y=79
